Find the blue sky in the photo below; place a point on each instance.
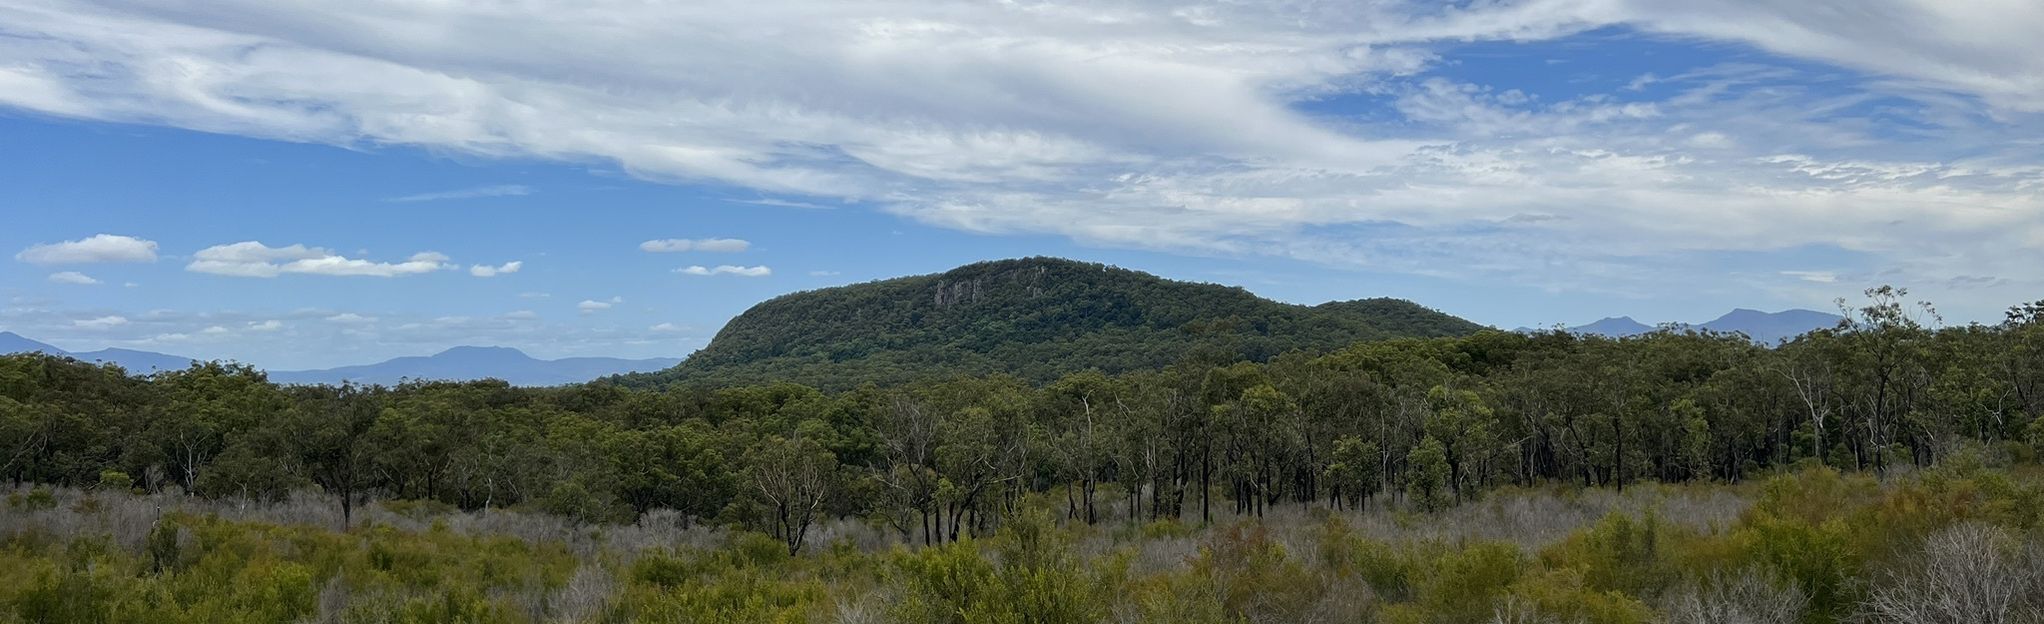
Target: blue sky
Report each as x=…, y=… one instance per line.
x=332, y=183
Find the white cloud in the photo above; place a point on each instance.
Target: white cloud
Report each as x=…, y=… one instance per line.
x=265, y=325
x=351, y=318
x=726, y=269
x=824, y=273
x=254, y=259
x=591, y=305
x=534, y=295
x=1819, y=277
x=1710, y=140
x=666, y=328
x=103, y=322
x=214, y=330
x=521, y=315
x=484, y=270
x=502, y=190
x=72, y=277
x=675, y=245
x=97, y=248
x=780, y=203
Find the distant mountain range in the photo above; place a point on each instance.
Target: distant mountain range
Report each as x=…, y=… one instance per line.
x=459, y=363
x=463, y=363
x=1763, y=327
x=138, y=362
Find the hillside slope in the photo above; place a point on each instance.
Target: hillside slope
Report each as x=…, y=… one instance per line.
x=1036, y=318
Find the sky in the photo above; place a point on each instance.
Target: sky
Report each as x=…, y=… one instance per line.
x=318, y=183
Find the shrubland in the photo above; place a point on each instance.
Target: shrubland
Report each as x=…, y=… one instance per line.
x=1956, y=543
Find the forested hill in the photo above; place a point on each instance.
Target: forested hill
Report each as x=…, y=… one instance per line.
x=1036, y=318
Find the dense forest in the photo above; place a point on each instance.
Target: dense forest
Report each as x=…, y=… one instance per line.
x=1032, y=318
x=1686, y=475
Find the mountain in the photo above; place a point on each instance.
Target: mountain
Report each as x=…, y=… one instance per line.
x=11, y=342
x=459, y=363
x=1764, y=327
x=1036, y=318
x=464, y=363
x=1772, y=327
x=1614, y=327
x=135, y=362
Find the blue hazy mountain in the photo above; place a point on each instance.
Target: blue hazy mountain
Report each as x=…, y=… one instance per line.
x=1615, y=327
x=464, y=363
x=137, y=362
x=1763, y=327
x=11, y=342
x=459, y=364
x=1772, y=327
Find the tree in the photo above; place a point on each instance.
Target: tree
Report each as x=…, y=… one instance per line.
x=330, y=428
x=1695, y=444
x=793, y=477
x=1073, y=436
x=1354, y=470
x=1428, y=480
x=1464, y=426
x=205, y=407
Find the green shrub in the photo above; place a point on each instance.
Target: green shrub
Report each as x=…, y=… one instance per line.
x=36, y=499
x=115, y=480
x=1621, y=553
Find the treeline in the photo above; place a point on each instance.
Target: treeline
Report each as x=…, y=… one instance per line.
x=1419, y=423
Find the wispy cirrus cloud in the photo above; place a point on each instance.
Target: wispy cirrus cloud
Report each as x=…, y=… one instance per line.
x=101, y=322
x=1888, y=132
x=678, y=245
x=501, y=190
x=73, y=277
x=781, y=203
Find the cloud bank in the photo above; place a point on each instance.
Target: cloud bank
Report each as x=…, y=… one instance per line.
x=254, y=259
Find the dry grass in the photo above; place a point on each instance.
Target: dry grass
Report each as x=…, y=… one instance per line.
x=1964, y=574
